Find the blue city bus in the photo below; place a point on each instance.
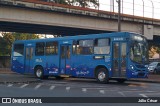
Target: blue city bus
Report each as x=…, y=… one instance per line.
x=117, y=56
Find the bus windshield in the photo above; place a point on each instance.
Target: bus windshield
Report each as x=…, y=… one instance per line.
x=138, y=52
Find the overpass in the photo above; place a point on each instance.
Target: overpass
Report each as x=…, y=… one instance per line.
x=35, y=16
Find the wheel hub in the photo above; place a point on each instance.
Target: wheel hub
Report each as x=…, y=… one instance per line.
x=101, y=76
x=39, y=73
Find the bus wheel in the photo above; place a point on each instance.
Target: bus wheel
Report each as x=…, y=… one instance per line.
x=102, y=75
x=39, y=72
x=121, y=80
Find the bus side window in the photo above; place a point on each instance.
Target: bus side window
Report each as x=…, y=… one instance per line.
x=18, y=50
x=85, y=47
x=40, y=48
x=51, y=48
x=102, y=46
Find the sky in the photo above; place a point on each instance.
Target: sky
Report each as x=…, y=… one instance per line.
x=151, y=7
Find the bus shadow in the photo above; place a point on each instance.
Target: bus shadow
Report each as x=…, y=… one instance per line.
x=87, y=81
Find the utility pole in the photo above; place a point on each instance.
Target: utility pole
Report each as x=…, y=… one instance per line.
x=112, y=5
x=119, y=15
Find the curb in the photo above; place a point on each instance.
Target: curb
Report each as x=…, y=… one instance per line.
x=7, y=73
x=151, y=81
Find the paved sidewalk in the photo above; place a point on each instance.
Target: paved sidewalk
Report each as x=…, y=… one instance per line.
x=7, y=76
x=6, y=71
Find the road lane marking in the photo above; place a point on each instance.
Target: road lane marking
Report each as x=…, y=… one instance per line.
x=143, y=95
x=10, y=85
x=38, y=86
x=68, y=88
x=24, y=85
x=84, y=90
x=102, y=91
x=52, y=87
x=121, y=93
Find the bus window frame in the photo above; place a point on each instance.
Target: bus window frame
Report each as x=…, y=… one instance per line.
x=23, y=49
x=43, y=49
x=103, y=46
x=77, y=40
x=56, y=51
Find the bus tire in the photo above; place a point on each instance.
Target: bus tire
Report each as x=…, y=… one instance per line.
x=102, y=76
x=39, y=73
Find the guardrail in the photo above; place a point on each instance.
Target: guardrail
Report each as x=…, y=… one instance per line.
x=50, y=6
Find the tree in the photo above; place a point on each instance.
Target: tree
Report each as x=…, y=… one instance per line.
x=6, y=44
x=2, y=47
x=87, y=3
x=7, y=40
x=24, y=36
x=158, y=51
x=154, y=49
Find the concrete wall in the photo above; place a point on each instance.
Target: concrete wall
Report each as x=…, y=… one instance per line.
x=149, y=31
x=23, y=15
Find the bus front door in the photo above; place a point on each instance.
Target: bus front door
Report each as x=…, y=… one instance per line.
x=119, y=59
x=28, y=58
x=65, y=59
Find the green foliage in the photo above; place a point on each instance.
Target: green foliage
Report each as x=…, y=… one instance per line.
x=87, y=3
x=61, y=1
x=81, y=3
x=24, y=36
x=3, y=47
x=154, y=48
x=7, y=40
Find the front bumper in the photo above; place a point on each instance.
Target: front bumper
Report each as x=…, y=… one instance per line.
x=139, y=74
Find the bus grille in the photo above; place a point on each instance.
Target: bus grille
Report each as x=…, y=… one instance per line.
x=140, y=66
x=141, y=70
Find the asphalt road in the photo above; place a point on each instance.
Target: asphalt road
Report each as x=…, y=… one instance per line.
x=76, y=87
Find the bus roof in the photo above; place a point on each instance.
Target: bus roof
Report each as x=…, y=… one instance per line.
x=80, y=37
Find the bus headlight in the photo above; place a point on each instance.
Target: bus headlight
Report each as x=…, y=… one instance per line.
x=132, y=67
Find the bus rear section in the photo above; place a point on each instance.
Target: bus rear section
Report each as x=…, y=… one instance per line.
x=18, y=58
x=22, y=57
